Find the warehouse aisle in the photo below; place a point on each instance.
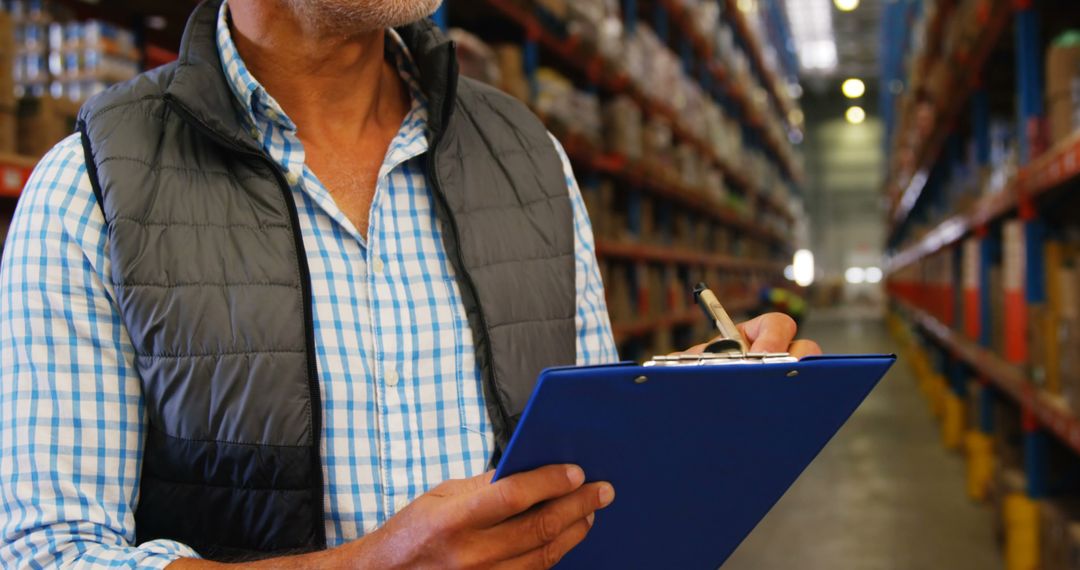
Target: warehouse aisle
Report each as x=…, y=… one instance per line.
x=884, y=494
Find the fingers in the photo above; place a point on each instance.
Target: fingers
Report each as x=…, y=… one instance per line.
x=801, y=348
x=473, y=484
x=551, y=553
x=771, y=332
x=533, y=529
x=515, y=494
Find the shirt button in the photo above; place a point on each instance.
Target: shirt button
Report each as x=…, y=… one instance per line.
x=400, y=504
x=377, y=265
x=391, y=377
x=292, y=177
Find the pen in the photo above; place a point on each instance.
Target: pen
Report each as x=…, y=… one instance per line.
x=731, y=339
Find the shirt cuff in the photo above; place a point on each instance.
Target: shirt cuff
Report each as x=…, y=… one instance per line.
x=153, y=554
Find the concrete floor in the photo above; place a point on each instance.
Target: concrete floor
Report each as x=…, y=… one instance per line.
x=884, y=494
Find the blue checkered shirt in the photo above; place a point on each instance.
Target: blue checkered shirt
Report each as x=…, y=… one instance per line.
x=403, y=407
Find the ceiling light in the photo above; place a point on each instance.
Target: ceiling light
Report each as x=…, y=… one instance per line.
x=855, y=115
x=873, y=275
x=803, y=267
x=855, y=275
x=156, y=22
x=853, y=88
x=812, y=30
x=846, y=5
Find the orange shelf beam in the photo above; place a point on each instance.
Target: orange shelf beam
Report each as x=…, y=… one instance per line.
x=14, y=172
x=671, y=255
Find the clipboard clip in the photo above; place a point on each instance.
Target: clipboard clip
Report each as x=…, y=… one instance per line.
x=714, y=358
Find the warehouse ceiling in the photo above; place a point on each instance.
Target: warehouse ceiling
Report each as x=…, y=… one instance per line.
x=857, y=39
x=853, y=35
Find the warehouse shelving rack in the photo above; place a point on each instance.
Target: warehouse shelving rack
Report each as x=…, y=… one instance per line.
x=673, y=25
x=952, y=309
x=905, y=191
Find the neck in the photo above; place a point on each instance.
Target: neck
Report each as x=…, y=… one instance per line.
x=327, y=84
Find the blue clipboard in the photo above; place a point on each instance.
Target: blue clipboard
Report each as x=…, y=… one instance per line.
x=697, y=454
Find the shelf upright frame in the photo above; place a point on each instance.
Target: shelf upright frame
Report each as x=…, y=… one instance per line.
x=530, y=55
x=957, y=292
x=1030, y=93
x=1036, y=458
x=989, y=245
x=987, y=402
x=1029, y=80
x=661, y=22
x=629, y=15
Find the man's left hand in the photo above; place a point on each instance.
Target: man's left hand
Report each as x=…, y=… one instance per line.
x=771, y=332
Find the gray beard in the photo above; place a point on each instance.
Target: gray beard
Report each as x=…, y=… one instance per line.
x=346, y=18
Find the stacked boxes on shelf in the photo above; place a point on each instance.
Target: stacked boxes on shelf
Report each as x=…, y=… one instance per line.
x=62, y=58
x=49, y=64
x=87, y=57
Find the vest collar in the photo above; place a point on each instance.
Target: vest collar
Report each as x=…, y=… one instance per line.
x=200, y=85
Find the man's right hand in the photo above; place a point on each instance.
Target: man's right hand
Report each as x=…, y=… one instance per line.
x=527, y=520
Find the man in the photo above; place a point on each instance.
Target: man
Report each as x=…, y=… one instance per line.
x=281, y=303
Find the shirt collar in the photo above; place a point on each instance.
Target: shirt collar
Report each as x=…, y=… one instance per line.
x=259, y=106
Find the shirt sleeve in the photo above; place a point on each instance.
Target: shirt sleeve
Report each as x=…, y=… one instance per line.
x=595, y=343
x=72, y=419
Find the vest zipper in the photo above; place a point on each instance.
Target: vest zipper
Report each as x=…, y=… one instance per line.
x=494, y=391
x=305, y=293
x=436, y=186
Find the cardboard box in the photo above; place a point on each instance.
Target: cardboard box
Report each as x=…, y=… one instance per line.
x=623, y=127
x=43, y=122
x=1062, y=73
x=1059, y=532
x=9, y=126
x=512, y=69
x=1046, y=356
x=619, y=292
x=1069, y=338
x=7, y=63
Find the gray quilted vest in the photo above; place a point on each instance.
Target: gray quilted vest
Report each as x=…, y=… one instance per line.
x=212, y=283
